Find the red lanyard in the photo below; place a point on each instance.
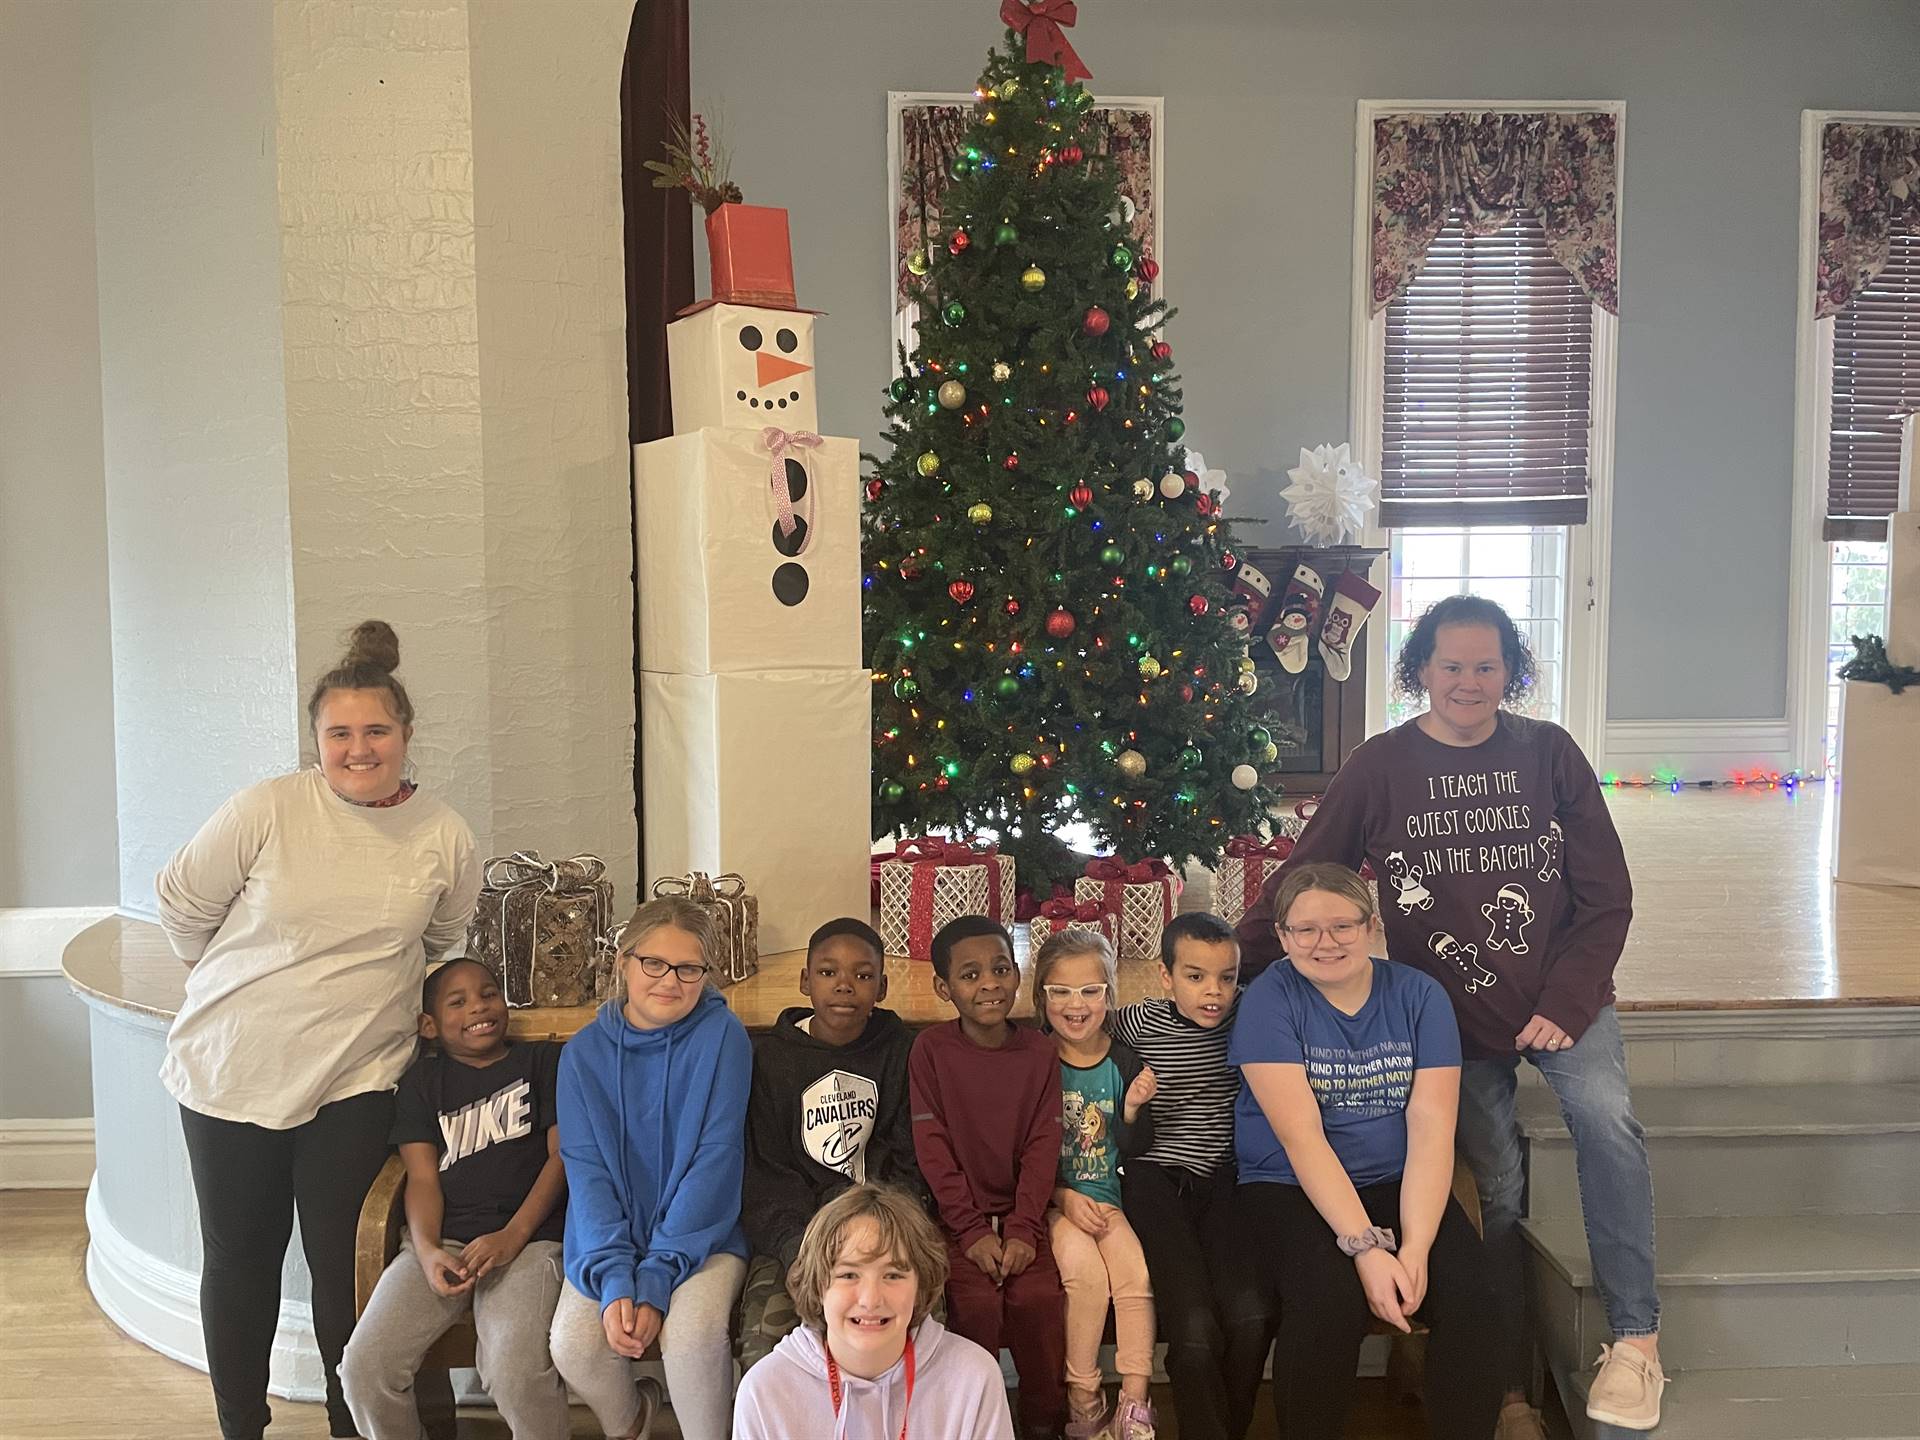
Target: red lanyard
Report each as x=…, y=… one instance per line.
x=833, y=1384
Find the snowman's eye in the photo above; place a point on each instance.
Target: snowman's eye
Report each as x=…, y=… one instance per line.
x=787, y=341
x=750, y=337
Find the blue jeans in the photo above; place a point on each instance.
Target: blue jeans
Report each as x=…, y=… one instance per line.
x=1610, y=1155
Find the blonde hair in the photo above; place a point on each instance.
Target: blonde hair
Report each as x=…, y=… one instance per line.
x=1331, y=879
x=1064, y=945
x=906, y=1234
x=676, y=911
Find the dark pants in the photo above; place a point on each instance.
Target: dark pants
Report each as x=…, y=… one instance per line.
x=1210, y=1305
x=249, y=1181
x=1028, y=1315
x=1324, y=1315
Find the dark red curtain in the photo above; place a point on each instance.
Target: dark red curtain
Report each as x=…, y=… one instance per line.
x=655, y=98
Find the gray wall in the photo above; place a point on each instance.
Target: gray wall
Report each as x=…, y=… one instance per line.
x=58, y=829
x=44, y=1050
x=1260, y=124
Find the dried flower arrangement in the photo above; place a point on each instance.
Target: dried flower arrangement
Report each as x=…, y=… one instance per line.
x=698, y=164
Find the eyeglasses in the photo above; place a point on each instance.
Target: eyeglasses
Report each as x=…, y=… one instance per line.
x=1344, y=932
x=1070, y=992
x=686, y=974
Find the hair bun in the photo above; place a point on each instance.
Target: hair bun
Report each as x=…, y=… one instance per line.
x=373, y=643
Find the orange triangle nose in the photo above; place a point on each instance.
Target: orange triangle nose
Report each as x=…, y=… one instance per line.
x=775, y=367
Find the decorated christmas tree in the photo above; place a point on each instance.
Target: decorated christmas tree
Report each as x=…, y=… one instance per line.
x=1048, y=590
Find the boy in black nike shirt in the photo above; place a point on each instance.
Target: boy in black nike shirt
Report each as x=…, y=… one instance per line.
x=474, y=1120
x=828, y=1109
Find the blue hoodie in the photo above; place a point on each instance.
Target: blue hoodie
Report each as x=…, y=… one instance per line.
x=652, y=1131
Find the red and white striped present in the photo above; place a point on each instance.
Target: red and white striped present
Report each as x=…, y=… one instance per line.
x=1140, y=894
x=930, y=881
x=1245, y=868
x=1063, y=914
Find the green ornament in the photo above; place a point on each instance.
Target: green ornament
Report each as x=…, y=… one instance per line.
x=1122, y=258
x=1259, y=737
x=1080, y=99
x=1176, y=427
x=960, y=167
x=1150, y=668
x=1005, y=234
x=956, y=315
x=1112, y=556
x=927, y=464
x=1007, y=686
x=1190, y=757
x=1180, y=565
x=893, y=792
x=905, y=688
x=901, y=389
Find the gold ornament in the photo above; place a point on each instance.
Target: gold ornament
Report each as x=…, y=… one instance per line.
x=1131, y=763
x=1245, y=664
x=1150, y=668
x=917, y=262
x=980, y=513
x=1033, y=279
x=1269, y=752
x=952, y=394
x=1173, y=486
x=1143, y=489
x=1009, y=87
x=1133, y=289
x=927, y=464
x=1022, y=764
x=1002, y=372
x=1248, y=683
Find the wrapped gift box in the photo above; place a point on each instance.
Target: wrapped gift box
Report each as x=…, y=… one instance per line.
x=742, y=366
x=537, y=924
x=766, y=775
x=1059, y=914
x=1141, y=894
x=1877, y=796
x=749, y=257
x=736, y=916
x=1903, y=585
x=930, y=881
x=722, y=586
x=1246, y=867
x=1293, y=825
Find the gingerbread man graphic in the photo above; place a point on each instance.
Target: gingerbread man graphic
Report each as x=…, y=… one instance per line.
x=1507, y=919
x=1552, y=845
x=1464, y=958
x=1409, y=893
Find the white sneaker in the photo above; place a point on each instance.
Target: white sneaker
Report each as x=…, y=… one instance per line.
x=1626, y=1392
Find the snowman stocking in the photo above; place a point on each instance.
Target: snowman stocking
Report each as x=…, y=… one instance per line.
x=1252, y=594
x=1353, y=601
x=1299, y=608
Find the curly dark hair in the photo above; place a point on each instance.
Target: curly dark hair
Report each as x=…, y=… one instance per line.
x=1464, y=610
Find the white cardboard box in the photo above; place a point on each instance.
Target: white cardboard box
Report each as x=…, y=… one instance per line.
x=741, y=365
x=769, y=774
x=1903, y=589
x=1875, y=839
x=722, y=588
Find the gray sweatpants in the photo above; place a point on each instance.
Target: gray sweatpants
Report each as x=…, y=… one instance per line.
x=696, y=1349
x=512, y=1312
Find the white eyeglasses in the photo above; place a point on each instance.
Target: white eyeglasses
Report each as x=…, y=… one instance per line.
x=1071, y=992
x=1343, y=932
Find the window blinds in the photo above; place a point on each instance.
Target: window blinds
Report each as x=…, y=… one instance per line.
x=1876, y=380
x=1488, y=385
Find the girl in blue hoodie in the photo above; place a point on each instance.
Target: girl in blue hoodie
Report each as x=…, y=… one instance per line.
x=652, y=1107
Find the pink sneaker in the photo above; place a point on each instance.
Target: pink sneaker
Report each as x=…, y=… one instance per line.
x=1133, y=1420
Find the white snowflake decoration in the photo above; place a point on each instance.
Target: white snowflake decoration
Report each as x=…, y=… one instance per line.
x=1331, y=495
x=1212, y=482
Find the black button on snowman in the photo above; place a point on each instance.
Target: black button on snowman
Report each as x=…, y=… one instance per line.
x=790, y=526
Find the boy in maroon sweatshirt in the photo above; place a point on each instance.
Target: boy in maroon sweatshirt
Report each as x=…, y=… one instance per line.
x=986, y=1130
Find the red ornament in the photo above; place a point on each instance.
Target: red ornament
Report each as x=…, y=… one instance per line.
x=1097, y=397
x=961, y=591
x=1012, y=462
x=875, y=489
x=1061, y=624
x=1071, y=155
x=1149, y=268
x=1013, y=606
x=1197, y=604
x=1228, y=560
x=1161, y=351
x=1193, y=480
x=1096, y=321
x=1081, y=496
x=909, y=571
x=1186, y=694
x=1203, y=504
x=959, y=243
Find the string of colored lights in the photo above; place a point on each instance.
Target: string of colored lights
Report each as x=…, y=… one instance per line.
x=1789, y=782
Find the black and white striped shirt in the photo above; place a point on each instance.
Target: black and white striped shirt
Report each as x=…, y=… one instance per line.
x=1193, y=1111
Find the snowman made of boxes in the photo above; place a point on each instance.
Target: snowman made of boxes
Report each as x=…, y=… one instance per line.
x=754, y=704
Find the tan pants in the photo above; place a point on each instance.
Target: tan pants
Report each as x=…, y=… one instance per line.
x=1094, y=1272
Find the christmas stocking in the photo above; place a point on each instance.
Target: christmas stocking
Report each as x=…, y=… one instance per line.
x=1252, y=594
x=1299, y=608
x=1353, y=601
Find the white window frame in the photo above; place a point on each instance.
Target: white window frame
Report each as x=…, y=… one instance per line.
x=1811, y=568
x=1589, y=546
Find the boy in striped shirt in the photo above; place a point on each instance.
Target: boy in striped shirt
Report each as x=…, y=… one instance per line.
x=1179, y=1194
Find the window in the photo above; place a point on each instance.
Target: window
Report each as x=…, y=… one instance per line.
x=1876, y=380
x=1856, y=605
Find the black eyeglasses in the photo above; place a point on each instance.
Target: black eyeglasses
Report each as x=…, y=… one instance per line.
x=686, y=974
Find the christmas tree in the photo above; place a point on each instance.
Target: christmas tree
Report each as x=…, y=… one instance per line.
x=1047, y=592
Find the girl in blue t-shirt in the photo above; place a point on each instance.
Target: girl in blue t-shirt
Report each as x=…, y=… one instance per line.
x=1344, y=1135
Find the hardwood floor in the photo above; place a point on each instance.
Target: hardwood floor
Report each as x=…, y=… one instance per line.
x=70, y=1375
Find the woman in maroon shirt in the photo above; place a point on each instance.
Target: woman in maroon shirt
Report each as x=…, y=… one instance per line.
x=1503, y=878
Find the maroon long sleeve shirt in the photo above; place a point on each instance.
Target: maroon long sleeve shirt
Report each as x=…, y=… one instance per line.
x=986, y=1130
x=1501, y=874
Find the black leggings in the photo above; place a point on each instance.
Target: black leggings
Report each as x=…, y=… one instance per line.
x=249, y=1180
x=1210, y=1305
x=1324, y=1315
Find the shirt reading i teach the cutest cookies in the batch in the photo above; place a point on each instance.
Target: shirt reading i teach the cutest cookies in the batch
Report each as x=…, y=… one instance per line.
x=1500, y=873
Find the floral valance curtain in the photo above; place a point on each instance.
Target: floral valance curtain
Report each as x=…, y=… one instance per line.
x=1869, y=189
x=1489, y=166
x=931, y=135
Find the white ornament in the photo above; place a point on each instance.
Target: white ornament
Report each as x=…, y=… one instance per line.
x=1245, y=777
x=1331, y=495
x=1173, y=486
x=1212, y=482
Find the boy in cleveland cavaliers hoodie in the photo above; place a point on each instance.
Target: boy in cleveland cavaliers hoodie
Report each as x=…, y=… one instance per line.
x=828, y=1109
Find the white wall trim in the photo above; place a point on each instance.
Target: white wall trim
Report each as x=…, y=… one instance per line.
x=33, y=937
x=1697, y=749
x=46, y=1154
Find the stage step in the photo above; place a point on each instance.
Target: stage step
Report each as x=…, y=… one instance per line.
x=1802, y=1045
x=1813, y=1402
x=1747, y=1291
x=1749, y=1150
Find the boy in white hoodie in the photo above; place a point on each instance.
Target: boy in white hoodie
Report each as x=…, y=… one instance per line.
x=868, y=1358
